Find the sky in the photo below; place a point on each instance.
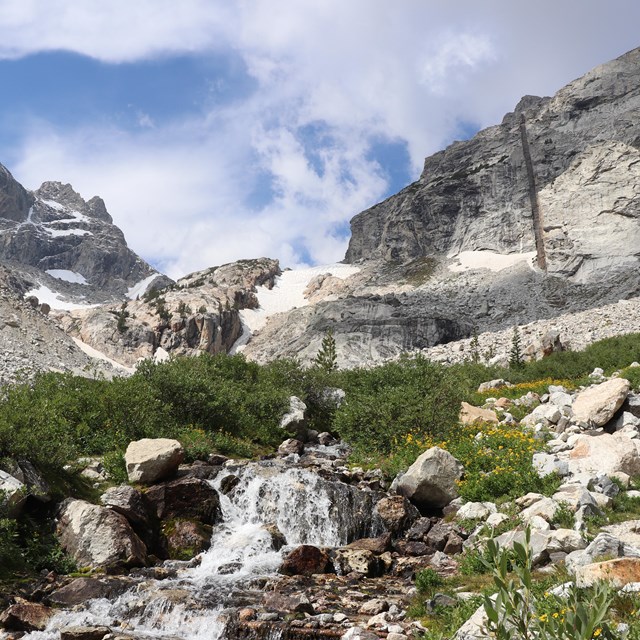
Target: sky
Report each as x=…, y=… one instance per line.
x=224, y=129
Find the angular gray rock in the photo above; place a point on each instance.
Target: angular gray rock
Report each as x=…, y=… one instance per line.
x=430, y=482
x=97, y=537
x=597, y=405
x=152, y=459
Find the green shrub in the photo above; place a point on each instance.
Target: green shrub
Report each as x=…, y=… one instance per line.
x=515, y=610
x=115, y=466
x=387, y=404
x=427, y=581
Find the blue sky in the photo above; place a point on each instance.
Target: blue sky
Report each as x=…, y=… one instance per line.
x=220, y=129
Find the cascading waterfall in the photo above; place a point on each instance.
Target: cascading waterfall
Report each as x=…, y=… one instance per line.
x=303, y=507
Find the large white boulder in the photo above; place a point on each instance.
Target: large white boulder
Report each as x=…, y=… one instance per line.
x=13, y=493
x=605, y=453
x=98, y=537
x=595, y=406
x=152, y=459
x=430, y=482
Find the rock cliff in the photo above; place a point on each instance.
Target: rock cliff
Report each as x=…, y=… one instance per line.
x=553, y=172
x=58, y=240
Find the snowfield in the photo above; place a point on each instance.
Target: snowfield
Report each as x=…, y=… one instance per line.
x=287, y=294
x=489, y=260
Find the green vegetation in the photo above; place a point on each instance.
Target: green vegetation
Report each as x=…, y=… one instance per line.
x=327, y=357
x=390, y=415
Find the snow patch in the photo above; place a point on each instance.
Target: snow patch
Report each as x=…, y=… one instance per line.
x=52, y=204
x=67, y=276
x=488, y=260
x=141, y=287
x=56, y=233
x=53, y=299
x=98, y=355
x=287, y=294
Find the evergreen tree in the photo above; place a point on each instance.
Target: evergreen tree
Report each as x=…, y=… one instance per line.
x=475, y=347
x=327, y=357
x=515, y=355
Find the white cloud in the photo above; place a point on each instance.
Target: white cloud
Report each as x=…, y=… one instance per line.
x=362, y=71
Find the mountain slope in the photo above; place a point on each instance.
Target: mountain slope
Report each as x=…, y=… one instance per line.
x=61, y=243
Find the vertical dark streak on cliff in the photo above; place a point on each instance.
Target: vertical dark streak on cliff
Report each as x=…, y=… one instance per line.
x=533, y=197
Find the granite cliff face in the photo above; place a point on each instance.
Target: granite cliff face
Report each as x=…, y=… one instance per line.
x=553, y=174
x=58, y=240
x=532, y=218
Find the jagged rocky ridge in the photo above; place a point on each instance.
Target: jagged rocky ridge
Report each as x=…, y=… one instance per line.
x=53, y=237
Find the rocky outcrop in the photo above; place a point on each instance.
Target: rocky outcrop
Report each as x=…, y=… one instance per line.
x=200, y=313
x=367, y=328
x=476, y=195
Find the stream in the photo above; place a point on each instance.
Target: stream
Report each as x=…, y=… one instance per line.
x=303, y=506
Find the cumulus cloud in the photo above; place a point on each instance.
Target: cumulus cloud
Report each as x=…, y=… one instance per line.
x=331, y=78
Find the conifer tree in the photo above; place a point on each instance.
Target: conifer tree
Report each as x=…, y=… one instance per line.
x=515, y=355
x=327, y=358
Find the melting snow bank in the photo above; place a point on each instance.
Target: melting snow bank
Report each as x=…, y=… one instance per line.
x=98, y=355
x=141, y=287
x=287, y=294
x=489, y=260
x=53, y=299
x=67, y=276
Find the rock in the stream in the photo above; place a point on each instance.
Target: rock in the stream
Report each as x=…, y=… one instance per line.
x=152, y=459
x=306, y=560
x=25, y=616
x=185, y=498
x=98, y=537
x=84, y=633
x=430, y=482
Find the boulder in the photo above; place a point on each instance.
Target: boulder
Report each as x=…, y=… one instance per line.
x=605, y=453
x=306, y=560
x=25, y=616
x=544, y=508
x=498, y=383
x=396, y=513
x=618, y=572
x=152, y=459
x=185, y=498
x=127, y=501
x=430, y=482
x=13, y=494
x=291, y=446
x=476, y=511
x=98, y=537
x=539, y=544
x=596, y=405
x=80, y=590
x=375, y=545
x=358, y=561
x=294, y=420
x=84, y=633
x=470, y=414
x=184, y=539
